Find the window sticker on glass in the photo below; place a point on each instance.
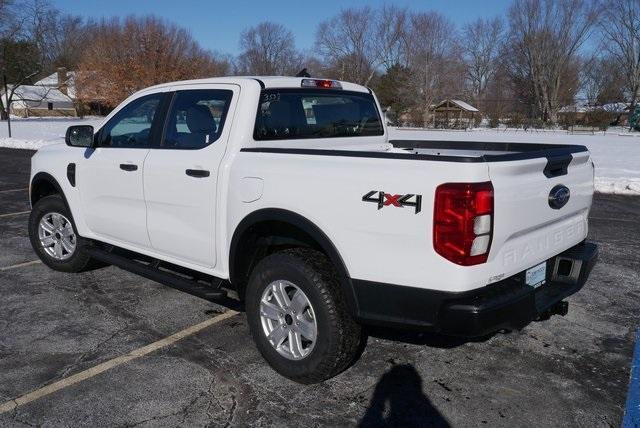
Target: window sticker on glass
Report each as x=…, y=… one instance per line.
x=270, y=96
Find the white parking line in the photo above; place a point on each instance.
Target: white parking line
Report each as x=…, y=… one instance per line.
x=14, y=190
x=628, y=220
x=101, y=368
x=19, y=265
x=11, y=214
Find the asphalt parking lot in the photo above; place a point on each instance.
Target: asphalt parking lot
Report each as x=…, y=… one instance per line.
x=567, y=371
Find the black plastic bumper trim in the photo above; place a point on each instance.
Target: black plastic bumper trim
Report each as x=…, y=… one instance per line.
x=507, y=304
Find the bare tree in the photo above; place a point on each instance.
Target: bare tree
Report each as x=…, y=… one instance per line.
x=391, y=23
x=6, y=17
x=21, y=58
x=601, y=80
x=67, y=43
x=268, y=49
x=125, y=56
x=19, y=64
x=60, y=38
x=39, y=24
x=357, y=42
x=346, y=41
x=500, y=97
x=434, y=59
x=545, y=37
x=11, y=19
x=48, y=39
x=620, y=28
x=481, y=42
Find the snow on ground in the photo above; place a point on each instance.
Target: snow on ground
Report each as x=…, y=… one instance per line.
x=33, y=133
x=616, y=154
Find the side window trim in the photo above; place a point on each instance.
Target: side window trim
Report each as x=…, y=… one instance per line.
x=166, y=120
x=158, y=128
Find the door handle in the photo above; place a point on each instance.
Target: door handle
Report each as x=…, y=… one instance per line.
x=197, y=173
x=128, y=167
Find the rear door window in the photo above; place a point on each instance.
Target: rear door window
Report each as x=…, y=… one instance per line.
x=196, y=118
x=287, y=114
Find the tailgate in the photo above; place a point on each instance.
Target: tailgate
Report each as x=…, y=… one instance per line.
x=531, y=224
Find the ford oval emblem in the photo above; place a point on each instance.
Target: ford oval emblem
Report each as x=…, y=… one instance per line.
x=559, y=196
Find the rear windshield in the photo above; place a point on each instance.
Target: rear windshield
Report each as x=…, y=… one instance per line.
x=288, y=114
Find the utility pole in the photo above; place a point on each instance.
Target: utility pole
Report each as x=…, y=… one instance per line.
x=8, y=104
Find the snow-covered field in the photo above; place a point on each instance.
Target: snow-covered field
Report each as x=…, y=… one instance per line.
x=616, y=154
x=34, y=133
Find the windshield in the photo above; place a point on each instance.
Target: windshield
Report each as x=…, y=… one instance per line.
x=289, y=114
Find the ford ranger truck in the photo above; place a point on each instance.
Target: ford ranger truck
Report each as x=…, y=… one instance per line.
x=286, y=195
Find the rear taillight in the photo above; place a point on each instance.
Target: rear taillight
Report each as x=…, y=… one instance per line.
x=463, y=222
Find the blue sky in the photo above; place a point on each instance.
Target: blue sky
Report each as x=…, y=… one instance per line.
x=217, y=24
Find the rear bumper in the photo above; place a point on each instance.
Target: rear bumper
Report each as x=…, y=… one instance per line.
x=507, y=304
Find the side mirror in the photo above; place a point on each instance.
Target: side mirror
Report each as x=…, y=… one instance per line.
x=79, y=136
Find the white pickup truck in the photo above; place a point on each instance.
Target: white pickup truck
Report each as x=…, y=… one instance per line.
x=289, y=193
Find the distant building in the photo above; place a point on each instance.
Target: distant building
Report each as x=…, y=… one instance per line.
x=447, y=114
x=579, y=113
x=52, y=96
x=454, y=114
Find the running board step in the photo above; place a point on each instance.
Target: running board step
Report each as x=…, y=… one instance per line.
x=152, y=270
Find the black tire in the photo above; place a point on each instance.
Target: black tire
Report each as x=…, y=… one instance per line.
x=339, y=337
x=79, y=260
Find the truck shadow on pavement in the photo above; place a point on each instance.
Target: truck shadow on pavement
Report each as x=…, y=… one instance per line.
x=433, y=340
x=398, y=400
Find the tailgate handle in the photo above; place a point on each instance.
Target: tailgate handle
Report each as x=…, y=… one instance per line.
x=557, y=165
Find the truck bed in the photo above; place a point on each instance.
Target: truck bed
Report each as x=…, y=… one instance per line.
x=472, y=151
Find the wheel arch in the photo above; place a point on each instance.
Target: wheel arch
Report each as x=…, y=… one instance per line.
x=274, y=228
x=44, y=184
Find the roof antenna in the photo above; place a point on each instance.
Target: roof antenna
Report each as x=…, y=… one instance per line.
x=303, y=73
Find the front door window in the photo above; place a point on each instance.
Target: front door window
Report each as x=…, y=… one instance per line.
x=131, y=127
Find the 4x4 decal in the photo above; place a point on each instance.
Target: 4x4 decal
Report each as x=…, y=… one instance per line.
x=383, y=199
